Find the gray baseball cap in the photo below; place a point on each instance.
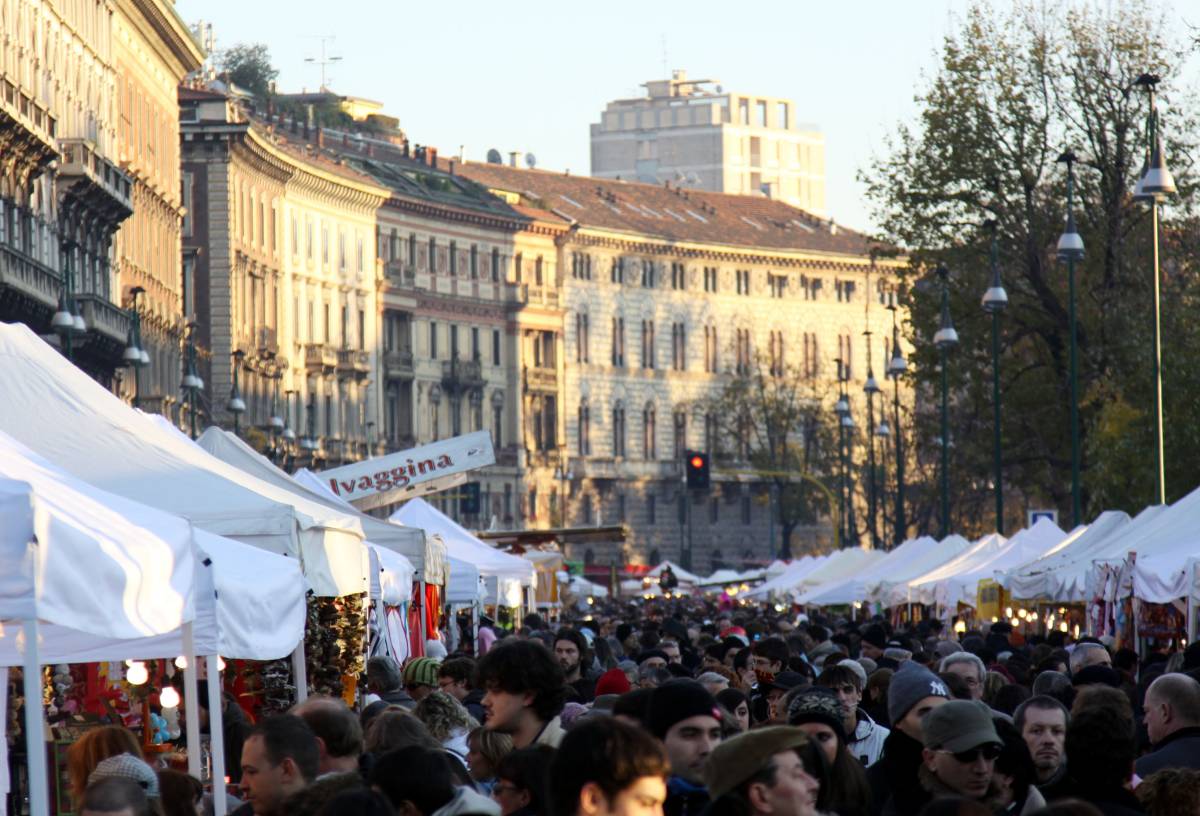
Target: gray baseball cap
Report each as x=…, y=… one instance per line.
x=959, y=725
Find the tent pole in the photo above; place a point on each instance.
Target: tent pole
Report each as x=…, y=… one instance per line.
x=35, y=730
x=191, y=696
x=475, y=629
x=300, y=672
x=424, y=617
x=216, y=728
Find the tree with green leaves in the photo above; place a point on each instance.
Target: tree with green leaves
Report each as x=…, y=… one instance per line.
x=1014, y=89
x=248, y=65
x=775, y=426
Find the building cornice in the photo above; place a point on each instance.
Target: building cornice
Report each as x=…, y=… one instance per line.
x=164, y=32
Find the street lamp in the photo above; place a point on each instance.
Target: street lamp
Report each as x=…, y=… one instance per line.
x=995, y=300
x=945, y=339
x=309, y=441
x=871, y=389
x=135, y=356
x=191, y=380
x=845, y=428
x=236, y=405
x=1154, y=185
x=1070, y=250
x=895, y=369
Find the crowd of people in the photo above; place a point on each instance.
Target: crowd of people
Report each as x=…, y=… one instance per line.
x=675, y=708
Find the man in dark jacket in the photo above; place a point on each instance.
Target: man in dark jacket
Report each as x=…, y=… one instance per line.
x=687, y=719
x=234, y=723
x=385, y=680
x=1173, y=723
x=895, y=786
x=1100, y=754
x=455, y=677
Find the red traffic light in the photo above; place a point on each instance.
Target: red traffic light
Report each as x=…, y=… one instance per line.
x=696, y=462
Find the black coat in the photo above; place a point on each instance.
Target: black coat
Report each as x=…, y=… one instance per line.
x=894, y=779
x=1178, y=750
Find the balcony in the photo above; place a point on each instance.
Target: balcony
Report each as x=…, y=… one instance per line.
x=28, y=129
x=353, y=364
x=97, y=183
x=28, y=288
x=459, y=375
x=398, y=364
x=539, y=295
x=400, y=273
x=266, y=341
x=319, y=358
x=541, y=379
x=109, y=323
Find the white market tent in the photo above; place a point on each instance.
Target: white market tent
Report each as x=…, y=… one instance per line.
x=681, y=574
x=790, y=578
x=504, y=575
x=411, y=545
x=911, y=558
x=730, y=576
x=893, y=592
x=840, y=565
x=71, y=420
x=1062, y=576
x=958, y=582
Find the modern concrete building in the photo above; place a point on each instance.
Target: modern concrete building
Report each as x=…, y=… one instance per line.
x=694, y=134
x=666, y=295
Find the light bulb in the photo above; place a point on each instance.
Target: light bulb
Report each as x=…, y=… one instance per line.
x=960, y=627
x=137, y=674
x=1062, y=627
x=1008, y=612
x=1016, y=622
x=129, y=663
x=181, y=662
x=168, y=697
x=220, y=664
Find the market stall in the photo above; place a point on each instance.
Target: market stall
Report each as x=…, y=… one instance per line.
x=912, y=558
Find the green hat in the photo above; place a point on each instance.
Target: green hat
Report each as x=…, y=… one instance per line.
x=737, y=759
x=959, y=725
x=421, y=671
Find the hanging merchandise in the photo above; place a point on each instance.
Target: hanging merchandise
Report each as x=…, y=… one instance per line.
x=334, y=643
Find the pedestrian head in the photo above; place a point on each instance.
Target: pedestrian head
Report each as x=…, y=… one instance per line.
x=338, y=731
x=454, y=677
x=395, y=729
x=847, y=684
x=1172, y=703
x=1042, y=722
x=522, y=781
x=1170, y=791
x=969, y=667
x=421, y=677
x=961, y=746
x=180, y=794
x=1100, y=748
x=383, y=675
x=416, y=781
x=912, y=692
x=762, y=772
x=114, y=796
x=444, y=716
x=571, y=650
x=605, y=767
x=1089, y=654
x=95, y=745
x=688, y=721
x=485, y=749
x=279, y=758
x=524, y=684
x=819, y=714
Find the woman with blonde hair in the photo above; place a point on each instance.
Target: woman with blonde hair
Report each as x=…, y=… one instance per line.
x=447, y=720
x=95, y=746
x=487, y=748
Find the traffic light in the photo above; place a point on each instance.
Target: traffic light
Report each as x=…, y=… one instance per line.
x=695, y=465
x=468, y=499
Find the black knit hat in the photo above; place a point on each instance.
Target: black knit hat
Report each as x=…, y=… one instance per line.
x=677, y=700
x=818, y=705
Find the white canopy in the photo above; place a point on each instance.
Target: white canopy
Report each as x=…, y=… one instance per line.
x=492, y=563
x=391, y=576
x=895, y=591
x=56, y=409
x=840, y=565
x=911, y=558
x=958, y=581
x=1061, y=576
x=466, y=584
x=1167, y=543
x=681, y=574
x=410, y=544
x=790, y=578
x=731, y=576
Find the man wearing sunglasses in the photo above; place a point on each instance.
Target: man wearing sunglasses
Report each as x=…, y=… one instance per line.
x=961, y=747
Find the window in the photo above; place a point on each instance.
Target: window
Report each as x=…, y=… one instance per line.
x=497, y=425
x=647, y=273
x=776, y=352
x=618, y=342
x=518, y=264
x=412, y=250
x=582, y=338
x=710, y=279
x=495, y=266
x=811, y=287
x=781, y=115
x=537, y=271
x=475, y=353
x=453, y=342
x=746, y=515
x=846, y=354
x=362, y=330
x=533, y=497
x=845, y=291
x=760, y=113
x=649, y=433
x=744, y=111
x=647, y=344
x=361, y=256
x=618, y=431
x=433, y=349
x=585, y=429
x=586, y=506
x=324, y=244
x=453, y=259
x=474, y=262
x=743, y=351
x=681, y=505
x=678, y=347
x=495, y=347
x=710, y=349
x=618, y=270
x=678, y=277
x=743, y=281
x=679, y=421
x=652, y=510
x=778, y=284
x=328, y=416
x=811, y=367
x=341, y=251
x=710, y=433
x=432, y=255
x=881, y=292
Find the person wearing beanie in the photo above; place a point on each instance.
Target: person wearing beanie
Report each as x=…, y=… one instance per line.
x=761, y=773
x=913, y=692
x=874, y=641
x=421, y=677
x=818, y=712
x=688, y=721
x=736, y=703
x=613, y=681
x=864, y=737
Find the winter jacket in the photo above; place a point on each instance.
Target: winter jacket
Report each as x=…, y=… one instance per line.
x=467, y=802
x=473, y=703
x=895, y=788
x=552, y=734
x=866, y=744
x=1180, y=749
x=684, y=798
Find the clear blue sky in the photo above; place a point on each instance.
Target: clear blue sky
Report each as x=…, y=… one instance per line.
x=531, y=76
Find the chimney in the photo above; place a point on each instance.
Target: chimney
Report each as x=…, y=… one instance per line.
x=345, y=140
x=512, y=158
x=320, y=137
x=433, y=157
x=832, y=227
x=452, y=167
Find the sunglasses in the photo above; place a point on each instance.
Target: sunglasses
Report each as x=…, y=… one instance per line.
x=989, y=751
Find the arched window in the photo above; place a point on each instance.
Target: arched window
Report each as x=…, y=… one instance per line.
x=649, y=432
x=585, y=428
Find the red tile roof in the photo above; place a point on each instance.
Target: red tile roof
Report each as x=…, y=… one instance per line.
x=671, y=213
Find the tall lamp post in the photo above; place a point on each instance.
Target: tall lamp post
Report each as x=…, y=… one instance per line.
x=1156, y=184
x=135, y=356
x=883, y=431
x=289, y=435
x=995, y=299
x=236, y=405
x=275, y=424
x=1070, y=250
x=191, y=380
x=895, y=369
x=68, y=323
x=945, y=339
x=841, y=409
x=871, y=388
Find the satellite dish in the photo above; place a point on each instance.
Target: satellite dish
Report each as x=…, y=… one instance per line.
x=494, y=157
x=530, y=160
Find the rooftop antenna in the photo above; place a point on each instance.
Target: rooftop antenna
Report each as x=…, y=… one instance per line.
x=666, y=70
x=325, y=60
